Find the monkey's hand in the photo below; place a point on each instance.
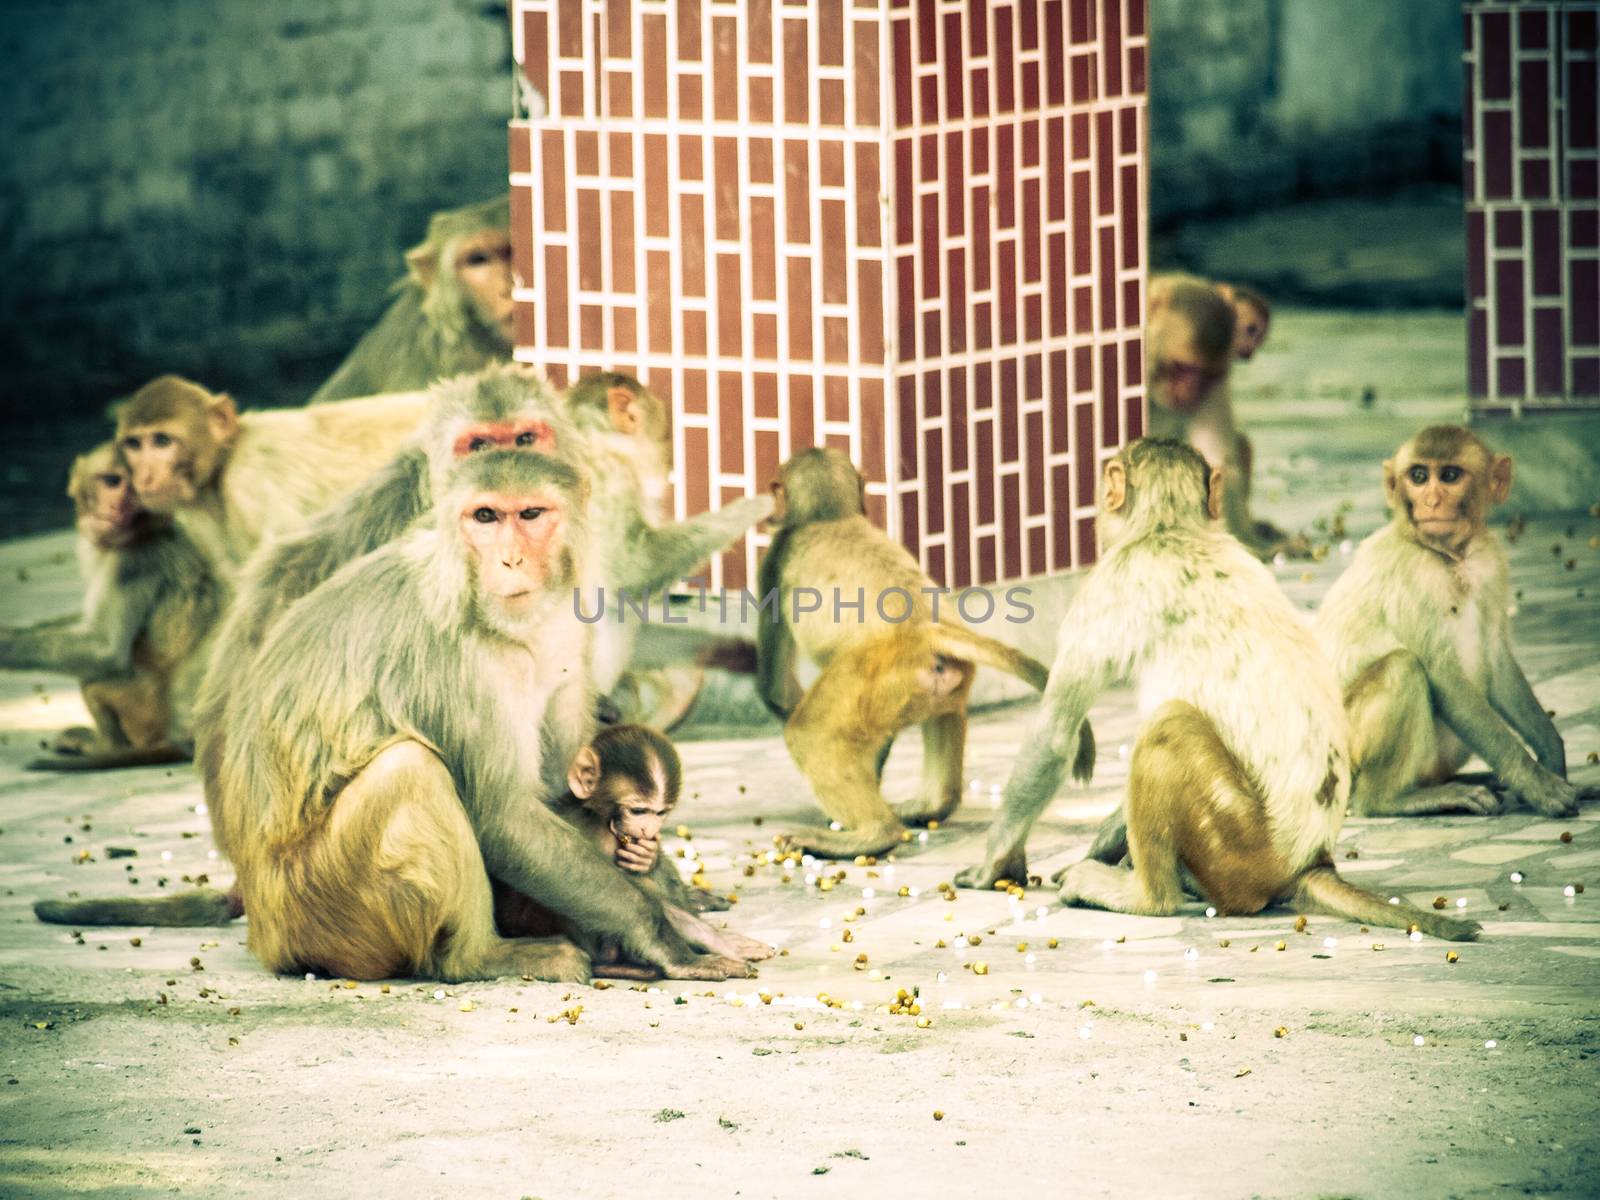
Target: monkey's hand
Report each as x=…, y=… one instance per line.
x=1547, y=793
x=1013, y=867
x=636, y=854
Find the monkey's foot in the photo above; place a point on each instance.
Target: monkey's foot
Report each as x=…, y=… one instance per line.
x=1458, y=795
x=985, y=875
x=921, y=809
x=736, y=945
x=80, y=739
x=1091, y=884
x=1548, y=794
x=713, y=967
x=846, y=843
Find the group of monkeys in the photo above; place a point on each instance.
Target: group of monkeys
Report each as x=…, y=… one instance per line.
x=360, y=618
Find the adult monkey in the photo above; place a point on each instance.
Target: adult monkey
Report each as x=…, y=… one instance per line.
x=231, y=479
x=879, y=674
x=380, y=768
x=632, y=432
x=1190, y=340
x=1418, y=632
x=139, y=647
x=452, y=314
x=1240, y=773
x=620, y=789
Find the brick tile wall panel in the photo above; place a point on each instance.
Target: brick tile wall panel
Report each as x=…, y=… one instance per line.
x=1533, y=267
x=915, y=232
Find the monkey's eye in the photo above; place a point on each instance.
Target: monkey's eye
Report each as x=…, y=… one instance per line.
x=476, y=258
x=531, y=514
x=485, y=516
x=160, y=439
x=130, y=443
x=1418, y=475
x=478, y=443
x=527, y=438
x=1449, y=474
x=111, y=481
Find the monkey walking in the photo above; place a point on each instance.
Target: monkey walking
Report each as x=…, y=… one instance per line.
x=1418, y=632
x=878, y=675
x=139, y=648
x=1241, y=771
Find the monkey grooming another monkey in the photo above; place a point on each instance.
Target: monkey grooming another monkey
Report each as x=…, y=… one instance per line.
x=620, y=790
x=230, y=480
x=1417, y=629
x=1240, y=772
x=452, y=314
x=138, y=650
x=386, y=758
x=879, y=674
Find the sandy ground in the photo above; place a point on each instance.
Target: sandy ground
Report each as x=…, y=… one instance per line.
x=1184, y=1056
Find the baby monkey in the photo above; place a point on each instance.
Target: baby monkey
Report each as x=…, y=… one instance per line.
x=620, y=789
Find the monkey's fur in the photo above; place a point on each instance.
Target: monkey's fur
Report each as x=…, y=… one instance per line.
x=1418, y=633
x=878, y=676
x=432, y=330
x=139, y=648
x=1240, y=774
x=230, y=479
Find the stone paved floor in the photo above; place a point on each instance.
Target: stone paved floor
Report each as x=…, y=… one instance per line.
x=1135, y=1055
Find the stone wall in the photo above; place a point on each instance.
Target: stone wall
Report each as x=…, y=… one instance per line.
x=1258, y=102
x=224, y=187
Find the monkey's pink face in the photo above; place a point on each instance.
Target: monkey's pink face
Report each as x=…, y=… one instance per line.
x=159, y=459
x=1439, y=496
x=638, y=817
x=514, y=539
x=505, y=435
x=1184, y=384
x=483, y=266
x=112, y=506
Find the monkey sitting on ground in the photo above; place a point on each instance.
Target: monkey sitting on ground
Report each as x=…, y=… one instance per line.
x=452, y=314
x=879, y=673
x=139, y=648
x=388, y=755
x=619, y=791
x=230, y=479
x=1417, y=629
x=1241, y=770
x=1191, y=337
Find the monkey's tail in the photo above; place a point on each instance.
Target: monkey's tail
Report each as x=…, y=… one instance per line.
x=1322, y=890
x=110, y=760
x=960, y=642
x=204, y=906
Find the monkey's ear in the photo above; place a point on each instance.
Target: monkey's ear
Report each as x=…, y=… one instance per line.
x=222, y=415
x=1499, y=478
x=423, y=263
x=583, y=776
x=1114, y=489
x=1215, y=486
x=627, y=415
x=1391, y=484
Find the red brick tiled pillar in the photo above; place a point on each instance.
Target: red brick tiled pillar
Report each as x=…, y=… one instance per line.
x=1533, y=206
x=912, y=231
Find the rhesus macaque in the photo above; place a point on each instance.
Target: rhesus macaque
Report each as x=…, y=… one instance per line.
x=1241, y=770
x=879, y=673
x=453, y=313
x=231, y=479
x=1190, y=333
x=620, y=790
x=1418, y=631
x=139, y=647
x=387, y=756
x=632, y=433
x=1252, y=318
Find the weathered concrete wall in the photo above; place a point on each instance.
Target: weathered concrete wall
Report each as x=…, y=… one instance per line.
x=224, y=187
x=1255, y=102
